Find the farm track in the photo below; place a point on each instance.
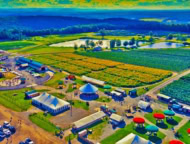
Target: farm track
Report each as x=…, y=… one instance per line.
x=152, y=92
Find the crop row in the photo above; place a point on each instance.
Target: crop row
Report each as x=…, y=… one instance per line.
x=114, y=80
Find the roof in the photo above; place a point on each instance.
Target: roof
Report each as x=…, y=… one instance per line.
x=116, y=117
x=116, y=93
x=89, y=119
x=31, y=92
x=152, y=128
x=51, y=101
x=92, y=80
x=88, y=88
x=120, y=90
x=143, y=104
x=133, y=139
x=30, y=62
x=163, y=96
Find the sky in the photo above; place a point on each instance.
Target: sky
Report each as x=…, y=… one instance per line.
x=106, y=4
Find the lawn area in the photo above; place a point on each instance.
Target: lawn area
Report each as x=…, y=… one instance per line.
x=97, y=129
x=121, y=133
x=14, y=99
x=183, y=131
x=70, y=137
x=54, y=82
x=58, y=95
x=104, y=99
x=168, y=59
x=43, y=122
x=79, y=104
x=166, y=125
x=70, y=89
x=15, y=45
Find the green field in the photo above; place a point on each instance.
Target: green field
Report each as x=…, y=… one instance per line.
x=15, y=45
x=179, y=89
x=14, y=99
x=168, y=59
x=166, y=125
x=123, y=132
x=183, y=131
x=79, y=104
x=43, y=122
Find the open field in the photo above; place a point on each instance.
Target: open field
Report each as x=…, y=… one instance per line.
x=168, y=59
x=43, y=122
x=179, y=89
x=121, y=133
x=114, y=73
x=166, y=125
x=14, y=100
x=183, y=131
x=15, y=45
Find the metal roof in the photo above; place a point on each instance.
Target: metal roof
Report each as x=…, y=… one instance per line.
x=89, y=119
x=116, y=117
x=51, y=101
x=92, y=80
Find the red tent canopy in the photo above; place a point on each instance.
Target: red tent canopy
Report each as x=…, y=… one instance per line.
x=188, y=130
x=175, y=142
x=159, y=116
x=139, y=120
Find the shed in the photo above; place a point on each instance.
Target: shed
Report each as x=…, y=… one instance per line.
x=93, y=81
x=143, y=105
x=88, y=121
x=116, y=118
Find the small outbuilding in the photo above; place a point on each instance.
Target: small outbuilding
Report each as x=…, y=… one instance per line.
x=88, y=121
x=116, y=119
x=31, y=94
x=143, y=105
x=93, y=81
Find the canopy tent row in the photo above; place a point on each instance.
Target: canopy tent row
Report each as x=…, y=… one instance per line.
x=152, y=129
x=170, y=114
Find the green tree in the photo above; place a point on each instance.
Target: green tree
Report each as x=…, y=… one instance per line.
x=75, y=47
x=169, y=37
x=151, y=40
x=132, y=41
x=112, y=43
x=125, y=43
x=87, y=43
x=118, y=42
x=92, y=44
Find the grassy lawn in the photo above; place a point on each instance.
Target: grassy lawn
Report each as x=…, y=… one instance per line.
x=14, y=99
x=121, y=133
x=166, y=125
x=55, y=80
x=43, y=122
x=79, y=104
x=104, y=99
x=183, y=131
x=15, y=44
x=70, y=89
x=58, y=95
x=97, y=130
x=70, y=137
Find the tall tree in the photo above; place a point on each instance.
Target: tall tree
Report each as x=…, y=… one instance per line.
x=125, y=43
x=102, y=33
x=118, y=42
x=112, y=43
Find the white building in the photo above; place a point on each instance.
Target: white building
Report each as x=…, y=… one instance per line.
x=50, y=103
x=143, y=105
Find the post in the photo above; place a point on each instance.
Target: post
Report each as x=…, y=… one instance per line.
x=71, y=104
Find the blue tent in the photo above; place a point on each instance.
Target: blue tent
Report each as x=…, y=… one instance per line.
x=88, y=89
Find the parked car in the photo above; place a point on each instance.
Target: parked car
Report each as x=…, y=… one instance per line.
x=6, y=124
x=6, y=132
x=28, y=141
x=12, y=129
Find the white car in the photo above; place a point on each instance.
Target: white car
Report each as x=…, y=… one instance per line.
x=6, y=124
x=7, y=132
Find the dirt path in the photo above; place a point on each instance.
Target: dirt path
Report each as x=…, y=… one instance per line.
x=152, y=92
x=27, y=129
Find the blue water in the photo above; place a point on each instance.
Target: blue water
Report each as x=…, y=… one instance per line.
x=164, y=45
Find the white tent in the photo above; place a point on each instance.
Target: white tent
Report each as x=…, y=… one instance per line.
x=143, y=105
x=133, y=139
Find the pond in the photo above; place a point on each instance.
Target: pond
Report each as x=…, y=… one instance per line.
x=164, y=45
